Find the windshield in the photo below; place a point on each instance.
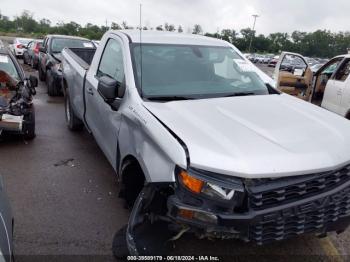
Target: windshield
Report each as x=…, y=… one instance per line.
x=194, y=72
x=58, y=44
x=8, y=67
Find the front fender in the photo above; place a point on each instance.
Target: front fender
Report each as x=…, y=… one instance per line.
x=157, y=150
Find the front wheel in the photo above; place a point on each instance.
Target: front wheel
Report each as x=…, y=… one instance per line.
x=32, y=63
x=41, y=74
x=29, y=125
x=73, y=122
x=25, y=58
x=51, y=88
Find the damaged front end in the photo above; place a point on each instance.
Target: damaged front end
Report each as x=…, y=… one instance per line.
x=148, y=228
x=16, y=108
x=253, y=210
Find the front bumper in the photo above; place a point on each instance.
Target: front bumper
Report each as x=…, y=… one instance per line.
x=319, y=213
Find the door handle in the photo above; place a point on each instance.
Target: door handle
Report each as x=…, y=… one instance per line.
x=90, y=91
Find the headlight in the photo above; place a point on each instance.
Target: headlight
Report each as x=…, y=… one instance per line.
x=213, y=187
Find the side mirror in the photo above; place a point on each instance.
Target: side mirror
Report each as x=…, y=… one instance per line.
x=33, y=81
x=108, y=88
x=42, y=49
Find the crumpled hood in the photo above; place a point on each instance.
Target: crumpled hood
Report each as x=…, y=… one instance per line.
x=257, y=136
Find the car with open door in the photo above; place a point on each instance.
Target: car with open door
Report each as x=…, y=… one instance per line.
x=17, y=113
x=293, y=75
x=328, y=87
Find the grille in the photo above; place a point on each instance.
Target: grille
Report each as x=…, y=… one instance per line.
x=312, y=221
x=284, y=190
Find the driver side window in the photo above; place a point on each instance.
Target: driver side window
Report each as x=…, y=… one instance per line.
x=111, y=63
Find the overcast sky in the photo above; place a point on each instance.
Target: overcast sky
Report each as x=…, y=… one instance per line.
x=275, y=15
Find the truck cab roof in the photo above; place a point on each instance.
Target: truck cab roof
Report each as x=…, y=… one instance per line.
x=162, y=37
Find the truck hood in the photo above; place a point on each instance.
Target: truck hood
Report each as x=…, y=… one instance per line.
x=257, y=136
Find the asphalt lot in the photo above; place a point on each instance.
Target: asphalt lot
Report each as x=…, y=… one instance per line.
x=64, y=196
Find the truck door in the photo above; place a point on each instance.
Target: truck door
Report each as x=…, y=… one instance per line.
x=293, y=75
x=103, y=121
x=341, y=90
x=323, y=80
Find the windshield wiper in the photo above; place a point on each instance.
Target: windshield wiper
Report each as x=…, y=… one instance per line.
x=168, y=98
x=240, y=94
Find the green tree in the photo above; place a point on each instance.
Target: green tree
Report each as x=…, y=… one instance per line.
x=197, y=29
x=115, y=26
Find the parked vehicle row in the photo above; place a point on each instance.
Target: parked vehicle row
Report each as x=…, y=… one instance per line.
x=18, y=46
x=201, y=140
x=17, y=116
x=50, y=58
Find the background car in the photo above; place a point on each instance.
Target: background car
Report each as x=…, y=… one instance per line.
x=19, y=45
x=96, y=42
x=273, y=61
x=31, y=53
x=50, y=59
x=17, y=114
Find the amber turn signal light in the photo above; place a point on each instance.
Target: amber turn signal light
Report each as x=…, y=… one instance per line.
x=185, y=213
x=193, y=184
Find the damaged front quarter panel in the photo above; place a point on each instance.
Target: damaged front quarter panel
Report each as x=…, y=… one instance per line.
x=15, y=102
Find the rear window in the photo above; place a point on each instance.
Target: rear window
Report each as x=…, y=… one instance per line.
x=58, y=44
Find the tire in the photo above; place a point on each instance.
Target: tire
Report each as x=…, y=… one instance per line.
x=32, y=63
x=73, y=122
x=25, y=59
x=119, y=246
x=41, y=74
x=29, y=125
x=133, y=183
x=51, y=88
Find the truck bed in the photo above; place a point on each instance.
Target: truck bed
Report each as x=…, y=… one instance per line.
x=83, y=56
x=76, y=62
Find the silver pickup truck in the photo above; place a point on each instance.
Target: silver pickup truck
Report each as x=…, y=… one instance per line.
x=203, y=143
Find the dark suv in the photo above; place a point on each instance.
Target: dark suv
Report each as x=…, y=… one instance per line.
x=50, y=59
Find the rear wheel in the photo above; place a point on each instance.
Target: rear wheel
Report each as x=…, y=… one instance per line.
x=73, y=122
x=25, y=59
x=29, y=125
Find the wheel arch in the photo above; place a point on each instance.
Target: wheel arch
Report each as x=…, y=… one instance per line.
x=347, y=115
